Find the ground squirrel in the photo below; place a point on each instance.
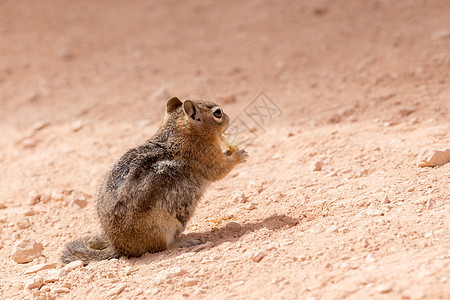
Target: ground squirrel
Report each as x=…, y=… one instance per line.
x=151, y=193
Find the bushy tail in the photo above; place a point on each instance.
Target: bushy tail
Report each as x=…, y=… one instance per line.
x=88, y=249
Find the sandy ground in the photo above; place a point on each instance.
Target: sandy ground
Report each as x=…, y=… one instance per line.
x=357, y=86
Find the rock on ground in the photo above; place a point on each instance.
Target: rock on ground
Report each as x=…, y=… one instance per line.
x=26, y=250
x=432, y=158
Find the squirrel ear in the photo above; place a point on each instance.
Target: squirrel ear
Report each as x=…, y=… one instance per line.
x=172, y=104
x=191, y=110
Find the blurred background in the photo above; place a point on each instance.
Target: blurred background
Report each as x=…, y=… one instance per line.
x=62, y=60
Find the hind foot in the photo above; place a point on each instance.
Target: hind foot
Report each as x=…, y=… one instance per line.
x=186, y=243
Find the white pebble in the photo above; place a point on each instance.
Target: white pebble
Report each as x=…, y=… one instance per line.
x=117, y=290
x=431, y=158
x=73, y=265
x=26, y=250
x=60, y=290
x=441, y=34
x=316, y=165
x=239, y=197
x=256, y=186
x=34, y=283
x=385, y=199
x=363, y=172
x=370, y=259
x=433, y=203
x=343, y=230
x=258, y=256
x=371, y=212
x=384, y=288
x=332, y=228
x=33, y=197
x=40, y=267
x=23, y=223
x=190, y=282
x=77, y=125
x=151, y=291
x=168, y=274
x=251, y=206
x=29, y=212
x=54, y=275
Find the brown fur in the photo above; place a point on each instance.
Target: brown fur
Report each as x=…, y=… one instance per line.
x=151, y=193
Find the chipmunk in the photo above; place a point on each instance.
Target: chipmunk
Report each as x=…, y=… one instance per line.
x=151, y=193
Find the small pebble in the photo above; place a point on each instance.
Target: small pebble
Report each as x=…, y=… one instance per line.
x=39, y=126
x=65, y=53
x=73, y=265
x=60, y=290
x=258, y=256
x=78, y=199
x=433, y=203
x=168, y=274
x=26, y=250
x=332, y=228
x=365, y=243
x=331, y=174
x=371, y=212
x=233, y=226
x=40, y=267
x=251, y=206
x=23, y=223
x=54, y=275
x=190, y=282
x=77, y=125
x=256, y=186
x=45, y=289
x=384, y=288
x=34, y=283
x=33, y=197
x=29, y=212
x=441, y=34
x=370, y=259
x=316, y=165
x=151, y=291
x=431, y=158
x=363, y=172
x=28, y=143
x=343, y=230
x=406, y=111
x=116, y=290
x=385, y=199
x=239, y=197
x=56, y=196
x=128, y=270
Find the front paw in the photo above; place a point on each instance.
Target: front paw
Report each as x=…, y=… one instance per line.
x=240, y=156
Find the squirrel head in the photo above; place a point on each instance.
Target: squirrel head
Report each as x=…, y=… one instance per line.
x=200, y=118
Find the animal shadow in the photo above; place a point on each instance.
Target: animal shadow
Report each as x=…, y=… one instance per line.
x=217, y=236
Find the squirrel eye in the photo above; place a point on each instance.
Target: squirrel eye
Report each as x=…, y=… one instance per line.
x=218, y=113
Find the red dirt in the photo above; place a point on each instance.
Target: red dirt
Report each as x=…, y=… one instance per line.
x=362, y=87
